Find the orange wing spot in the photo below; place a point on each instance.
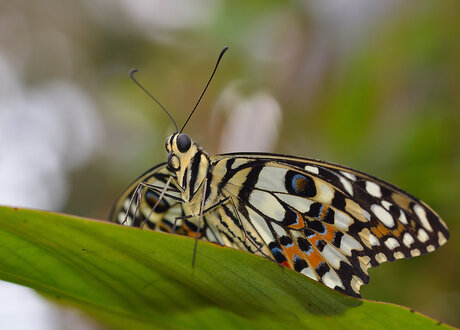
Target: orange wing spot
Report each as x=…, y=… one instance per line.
x=330, y=233
x=315, y=258
x=314, y=239
x=397, y=232
x=380, y=230
x=290, y=252
x=324, y=212
x=300, y=221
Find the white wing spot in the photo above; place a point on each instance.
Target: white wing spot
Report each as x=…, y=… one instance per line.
x=391, y=243
x=342, y=220
x=278, y=230
x=352, y=177
x=272, y=179
x=268, y=204
x=415, y=252
x=310, y=273
x=408, y=239
x=386, y=205
x=420, y=211
x=347, y=185
x=299, y=203
x=430, y=248
x=380, y=257
x=422, y=235
x=368, y=238
x=332, y=280
x=311, y=169
x=399, y=255
x=402, y=218
x=373, y=240
x=366, y=214
x=348, y=243
x=441, y=238
x=260, y=226
x=383, y=215
x=373, y=189
x=332, y=256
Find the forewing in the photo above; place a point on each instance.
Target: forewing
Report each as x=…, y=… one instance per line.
x=146, y=211
x=326, y=221
x=135, y=212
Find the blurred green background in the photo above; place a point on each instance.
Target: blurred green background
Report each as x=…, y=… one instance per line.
x=372, y=85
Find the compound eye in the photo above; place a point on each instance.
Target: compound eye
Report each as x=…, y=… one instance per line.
x=183, y=142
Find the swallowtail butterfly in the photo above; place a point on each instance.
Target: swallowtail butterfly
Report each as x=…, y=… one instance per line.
x=328, y=222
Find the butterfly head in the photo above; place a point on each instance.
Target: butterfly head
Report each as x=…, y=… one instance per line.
x=181, y=149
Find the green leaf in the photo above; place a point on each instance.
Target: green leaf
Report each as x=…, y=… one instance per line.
x=125, y=277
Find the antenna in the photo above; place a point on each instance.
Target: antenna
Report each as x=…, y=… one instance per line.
x=212, y=75
x=131, y=74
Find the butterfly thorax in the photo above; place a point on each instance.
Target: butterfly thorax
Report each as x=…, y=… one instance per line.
x=191, y=166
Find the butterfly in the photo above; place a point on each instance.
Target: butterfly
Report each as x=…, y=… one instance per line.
x=326, y=221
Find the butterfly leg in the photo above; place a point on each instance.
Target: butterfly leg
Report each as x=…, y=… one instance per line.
x=137, y=197
x=163, y=191
x=199, y=222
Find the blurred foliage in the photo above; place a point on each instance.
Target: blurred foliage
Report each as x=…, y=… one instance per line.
x=369, y=85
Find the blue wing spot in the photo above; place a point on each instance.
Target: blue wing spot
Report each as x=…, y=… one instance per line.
x=299, y=184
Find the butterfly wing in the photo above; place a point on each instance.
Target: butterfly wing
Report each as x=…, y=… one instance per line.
x=326, y=221
x=130, y=211
x=146, y=211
